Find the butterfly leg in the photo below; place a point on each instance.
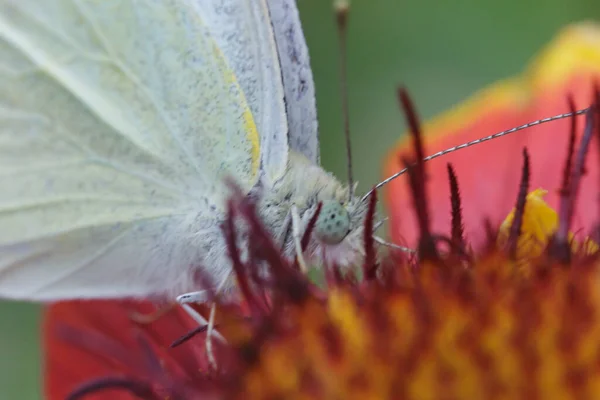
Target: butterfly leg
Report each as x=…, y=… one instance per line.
x=296, y=236
x=209, y=332
x=199, y=297
x=193, y=297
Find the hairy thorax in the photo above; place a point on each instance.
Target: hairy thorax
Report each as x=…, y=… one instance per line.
x=199, y=243
x=304, y=186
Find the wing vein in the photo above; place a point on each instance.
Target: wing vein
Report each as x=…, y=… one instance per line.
x=117, y=62
x=93, y=158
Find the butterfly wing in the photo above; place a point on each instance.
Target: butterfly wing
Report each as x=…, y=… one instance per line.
x=242, y=30
x=263, y=42
x=116, y=119
x=297, y=78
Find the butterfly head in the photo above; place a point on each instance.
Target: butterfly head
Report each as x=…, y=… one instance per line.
x=338, y=233
x=333, y=223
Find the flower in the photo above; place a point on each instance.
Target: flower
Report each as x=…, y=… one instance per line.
x=518, y=319
x=488, y=173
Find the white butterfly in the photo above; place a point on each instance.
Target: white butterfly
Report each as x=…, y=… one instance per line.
x=119, y=121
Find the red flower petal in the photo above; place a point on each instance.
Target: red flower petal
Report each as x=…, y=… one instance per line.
x=107, y=343
x=488, y=174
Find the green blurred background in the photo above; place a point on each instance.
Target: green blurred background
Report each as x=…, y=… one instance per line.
x=442, y=50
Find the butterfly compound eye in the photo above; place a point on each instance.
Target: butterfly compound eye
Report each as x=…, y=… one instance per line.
x=333, y=223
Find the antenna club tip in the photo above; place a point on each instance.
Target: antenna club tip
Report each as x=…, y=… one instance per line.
x=341, y=7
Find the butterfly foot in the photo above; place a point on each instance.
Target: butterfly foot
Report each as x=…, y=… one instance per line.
x=186, y=299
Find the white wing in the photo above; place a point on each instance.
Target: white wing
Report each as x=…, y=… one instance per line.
x=242, y=30
x=264, y=44
x=297, y=78
x=116, y=119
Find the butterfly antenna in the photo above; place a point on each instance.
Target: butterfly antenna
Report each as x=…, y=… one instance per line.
x=342, y=9
x=478, y=141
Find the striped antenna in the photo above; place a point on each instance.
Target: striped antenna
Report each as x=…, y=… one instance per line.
x=478, y=141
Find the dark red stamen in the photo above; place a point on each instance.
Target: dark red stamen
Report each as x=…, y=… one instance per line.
x=457, y=219
x=566, y=216
x=414, y=125
x=558, y=245
x=308, y=232
x=137, y=388
x=426, y=248
x=238, y=267
x=287, y=281
x=416, y=174
x=310, y=227
x=370, y=264
x=189, y=335
x=570, y=151
x=515, y=228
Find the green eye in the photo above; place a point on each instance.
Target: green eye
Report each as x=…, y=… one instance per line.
x=333, y=223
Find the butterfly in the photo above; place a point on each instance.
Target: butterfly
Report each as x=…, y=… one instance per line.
x=120, y=122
